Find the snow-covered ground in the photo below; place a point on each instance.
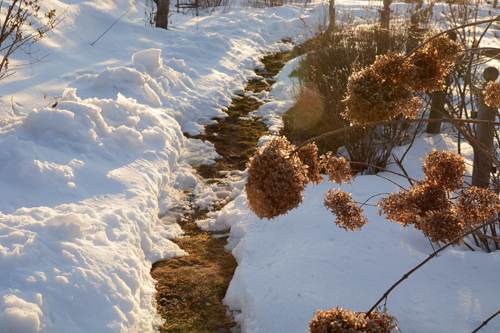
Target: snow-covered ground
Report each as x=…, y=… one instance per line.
x=84, y=183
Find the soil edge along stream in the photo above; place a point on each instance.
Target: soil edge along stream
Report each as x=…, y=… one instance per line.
x=190, y=289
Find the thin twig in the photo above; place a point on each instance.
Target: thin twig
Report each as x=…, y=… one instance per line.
x=400, y=165
x=432, y=255
x=113, y=24
x=497, y=18
x=482, y=48
x=432, y=245
x=382, y=169
x=486, y=321
x=480, y=234
x=373, y=196
x=411, y=142
x=389, y=122
x=470, y=247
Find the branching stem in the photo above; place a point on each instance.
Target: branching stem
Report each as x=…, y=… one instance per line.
x=497, y=18
x=390, y=122
x=486, y=321
x=432, y=255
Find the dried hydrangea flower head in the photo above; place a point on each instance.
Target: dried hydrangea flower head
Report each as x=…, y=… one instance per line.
x=392, y=69
x=338, y=168
x=276, y=179
x=338, y=320
x=432, y=63
x=476, y=205
x=345, y=208
x=405, y=206
x=472, y=207
x=384, y=90
x=379, y=93
x=445, y=48
x=444, y=168
x=426, y=205
x=308, y=154
x=492, y=94
x=441, y=225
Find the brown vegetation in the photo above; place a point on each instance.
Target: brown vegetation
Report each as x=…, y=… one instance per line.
x=190, y=289
x=338, y=320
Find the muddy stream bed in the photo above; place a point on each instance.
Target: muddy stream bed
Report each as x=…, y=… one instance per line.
x=190, y=289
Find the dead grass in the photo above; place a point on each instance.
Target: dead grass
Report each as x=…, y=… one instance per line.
x=323, y=76
x=190, y=289
x=236, y=139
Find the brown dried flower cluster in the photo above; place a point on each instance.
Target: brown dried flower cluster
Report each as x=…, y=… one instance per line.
x=492, y=94
x=445, y=169
x=472, y=207
x=384, y=90
x=276, y=179
x=432, y=63
x=338, y=320
x=392, y=68
x=345, y=208
x=445, y=48
x=338, y=168
x=378, y=93
x=441, y=225
x=476, y=205
x=405, y=206
x=426, y=205
x=309, y=156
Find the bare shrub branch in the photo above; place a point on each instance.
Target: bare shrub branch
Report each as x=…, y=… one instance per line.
x=23, y=24
x=432, y=255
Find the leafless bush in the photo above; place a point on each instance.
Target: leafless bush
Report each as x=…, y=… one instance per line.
x=428, y=205
x=22, y=24
x=323, y=78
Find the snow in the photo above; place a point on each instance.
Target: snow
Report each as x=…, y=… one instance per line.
x=280, y=98
x=301, y=262
x=84, y=185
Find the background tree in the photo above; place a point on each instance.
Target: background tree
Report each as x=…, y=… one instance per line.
x=157, y=13
x=162, y=12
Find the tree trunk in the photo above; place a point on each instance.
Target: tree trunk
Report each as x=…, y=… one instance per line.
x=162, y=8
x=484, y=134
x=438, y=99
x=331, y=12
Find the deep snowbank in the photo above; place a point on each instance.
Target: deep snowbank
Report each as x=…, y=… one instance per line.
x=84, y=182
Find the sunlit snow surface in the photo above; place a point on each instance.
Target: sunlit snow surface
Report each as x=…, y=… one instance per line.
x=83, y=185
